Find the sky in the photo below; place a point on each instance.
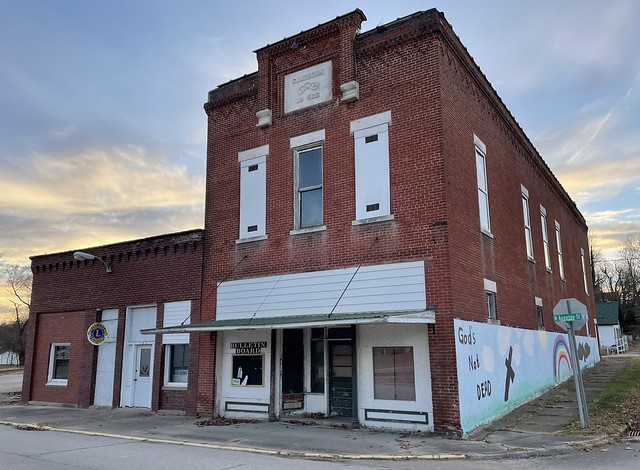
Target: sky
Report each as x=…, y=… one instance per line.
x=103, y=133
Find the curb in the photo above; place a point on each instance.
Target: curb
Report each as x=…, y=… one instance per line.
x=255, y=450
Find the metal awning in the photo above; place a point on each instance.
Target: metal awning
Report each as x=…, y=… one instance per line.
x=300, y=321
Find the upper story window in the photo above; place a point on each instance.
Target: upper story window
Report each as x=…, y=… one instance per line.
x=545, y=238
x=59, y=364
x=371, y=145
x=308, y=204
x=483, y=187
x=584, y=272
x=559, y=246
x=253, y=192
x=309, y=187
x=527, y=222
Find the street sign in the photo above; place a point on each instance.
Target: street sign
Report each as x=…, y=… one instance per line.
x=570, y=310
x=571, y=315
x=567, y=317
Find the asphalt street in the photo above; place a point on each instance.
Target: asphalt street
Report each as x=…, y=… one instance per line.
x=35, y=450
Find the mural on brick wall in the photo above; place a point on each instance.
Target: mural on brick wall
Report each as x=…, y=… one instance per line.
x=501, y=367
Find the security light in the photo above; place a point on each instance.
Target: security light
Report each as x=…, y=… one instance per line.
x=82, y=256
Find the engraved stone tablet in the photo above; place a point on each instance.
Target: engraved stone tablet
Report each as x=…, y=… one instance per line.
x=307, y=87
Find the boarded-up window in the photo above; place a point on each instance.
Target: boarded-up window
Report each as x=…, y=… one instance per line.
x=393, y=374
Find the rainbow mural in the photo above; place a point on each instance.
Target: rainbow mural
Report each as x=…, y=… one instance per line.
x=560, y=353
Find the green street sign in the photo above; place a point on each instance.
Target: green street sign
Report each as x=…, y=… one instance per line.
x=567, y=317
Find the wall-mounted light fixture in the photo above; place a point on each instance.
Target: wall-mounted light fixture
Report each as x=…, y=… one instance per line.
x=82, y=256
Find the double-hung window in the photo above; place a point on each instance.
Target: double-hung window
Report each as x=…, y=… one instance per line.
x=483, y=186
x=527, y=222
x=584, y=272
x=308, y=184
x=559, y=246
x=545, y=238
x=59, y=364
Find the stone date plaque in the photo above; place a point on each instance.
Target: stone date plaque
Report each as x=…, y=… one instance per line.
x=308, y=87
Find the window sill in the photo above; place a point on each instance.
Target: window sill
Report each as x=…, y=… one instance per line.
x=531, y=260
x=301, y=231
x=549, y=270
x=487, y=233
x=57, y=383
x=493, y=321
x=240, y=241
x=175, y=386
x=373, y=220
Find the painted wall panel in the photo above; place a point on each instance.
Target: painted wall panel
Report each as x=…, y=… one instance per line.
x=501, y=367
x=253, y=197
x=370, y=336
x=176, y=313
x=379, y=288
x=372, y=172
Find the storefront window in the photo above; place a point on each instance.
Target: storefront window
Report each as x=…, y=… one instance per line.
x=393, y=374
x=178, y=361
x=317, y=360
x=247, y=370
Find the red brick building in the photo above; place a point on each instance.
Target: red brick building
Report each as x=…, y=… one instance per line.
x=372, y=211
x=152, y=281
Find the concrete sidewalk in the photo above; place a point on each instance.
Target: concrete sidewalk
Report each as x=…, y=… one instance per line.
x=534, y=429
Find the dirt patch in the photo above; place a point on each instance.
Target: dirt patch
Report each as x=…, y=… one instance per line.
x=223, y=421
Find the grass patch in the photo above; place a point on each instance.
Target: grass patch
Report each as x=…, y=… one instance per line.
x=617, y=409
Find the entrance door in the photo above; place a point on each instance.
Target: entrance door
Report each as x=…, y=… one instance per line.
x=340, y=380
x=142, y=376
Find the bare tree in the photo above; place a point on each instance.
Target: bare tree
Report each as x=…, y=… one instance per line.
x=620, y=280
x=597, y=264
x=18, y=280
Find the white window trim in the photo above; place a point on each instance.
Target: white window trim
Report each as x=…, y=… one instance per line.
x=253, y=153
x=50, y=379
x=305, y=142
x=167, y=369
x=316, y=137
x=526, y=214
x=490, y=287
x=544, y=227
x=559, y=250
x=479, y=146
x=370, y=121
x=584, y=272
x=539, y=320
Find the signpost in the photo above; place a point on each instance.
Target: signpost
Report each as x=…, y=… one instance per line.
x=571, y=315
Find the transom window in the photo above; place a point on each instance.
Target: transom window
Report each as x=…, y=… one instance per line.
x=309, y=187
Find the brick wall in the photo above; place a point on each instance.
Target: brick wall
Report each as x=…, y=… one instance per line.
x=68, y=296
x=417, y=69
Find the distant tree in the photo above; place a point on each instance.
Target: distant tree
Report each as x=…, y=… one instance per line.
x=621, y=279
x=597, y=261
x=18, y=280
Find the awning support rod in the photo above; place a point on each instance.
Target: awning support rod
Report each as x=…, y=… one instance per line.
x=354, y=275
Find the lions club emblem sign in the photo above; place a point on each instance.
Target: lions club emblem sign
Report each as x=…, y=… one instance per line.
x=97, y=333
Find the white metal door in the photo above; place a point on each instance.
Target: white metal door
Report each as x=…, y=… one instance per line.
x=142, y=376
x=106, y=360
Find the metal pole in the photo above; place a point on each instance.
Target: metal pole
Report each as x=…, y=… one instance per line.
x=577, y=377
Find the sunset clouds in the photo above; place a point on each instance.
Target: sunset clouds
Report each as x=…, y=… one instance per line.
x=103, y=135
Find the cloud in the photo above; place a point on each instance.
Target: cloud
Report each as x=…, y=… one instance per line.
x=54, y=202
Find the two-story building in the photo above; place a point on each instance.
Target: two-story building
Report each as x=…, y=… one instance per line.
x=382, y=242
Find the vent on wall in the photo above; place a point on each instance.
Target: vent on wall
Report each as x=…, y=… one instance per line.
x=252, y=228
x=373, y=207
x=371, y=138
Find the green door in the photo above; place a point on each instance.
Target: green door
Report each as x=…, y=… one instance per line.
x=340, y=380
